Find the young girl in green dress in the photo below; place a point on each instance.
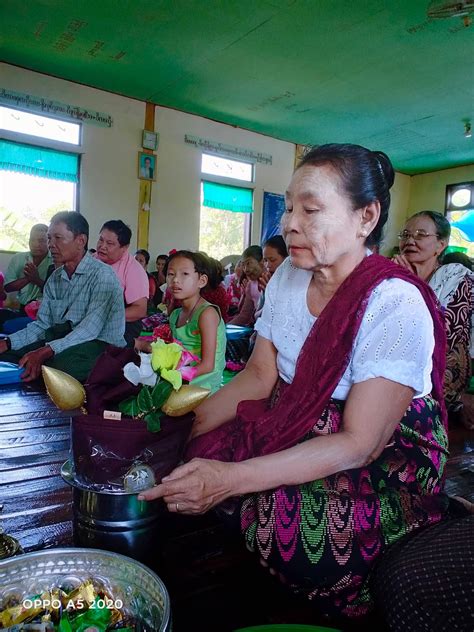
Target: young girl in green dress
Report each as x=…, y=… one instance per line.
x=197, y=325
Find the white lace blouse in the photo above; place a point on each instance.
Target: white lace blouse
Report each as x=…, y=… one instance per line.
x=395, y=339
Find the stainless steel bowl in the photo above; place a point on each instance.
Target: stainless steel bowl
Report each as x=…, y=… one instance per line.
x=141, y=590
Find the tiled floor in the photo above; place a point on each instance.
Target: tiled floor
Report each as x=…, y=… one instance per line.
x=215, y=585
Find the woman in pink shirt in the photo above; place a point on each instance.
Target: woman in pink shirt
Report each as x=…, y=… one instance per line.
x=112, y=249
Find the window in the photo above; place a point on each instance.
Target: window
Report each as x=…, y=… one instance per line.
x=35, y=181
x=460, y=213
x=226, y=209
x=220, y=166
x=41, y=126
x=225, y=219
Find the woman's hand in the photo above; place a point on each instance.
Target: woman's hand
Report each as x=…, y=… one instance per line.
x=195, y=487
x=263, y=280
x=403, y=261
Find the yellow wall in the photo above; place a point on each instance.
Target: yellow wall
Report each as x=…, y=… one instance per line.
x=400, y=194
x=428, y=190
x=411, y=194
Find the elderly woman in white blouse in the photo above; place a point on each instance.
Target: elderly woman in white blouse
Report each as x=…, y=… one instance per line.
x=422, y=244
x=330, y=445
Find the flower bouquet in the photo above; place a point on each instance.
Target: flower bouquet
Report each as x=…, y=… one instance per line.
x=130, y=426
x=161, y=374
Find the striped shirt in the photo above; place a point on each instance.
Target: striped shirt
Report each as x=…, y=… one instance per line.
x=91, y=300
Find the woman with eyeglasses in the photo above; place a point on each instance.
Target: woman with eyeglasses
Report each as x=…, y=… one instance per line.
x=422, y=244
x=331, y=443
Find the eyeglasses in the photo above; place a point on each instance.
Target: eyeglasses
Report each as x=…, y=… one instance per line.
x=417, y=235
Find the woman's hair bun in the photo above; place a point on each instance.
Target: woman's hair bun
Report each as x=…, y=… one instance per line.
x=386, y=167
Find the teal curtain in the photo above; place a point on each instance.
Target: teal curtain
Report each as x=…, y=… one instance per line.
x=227, y=198
x=38, y=161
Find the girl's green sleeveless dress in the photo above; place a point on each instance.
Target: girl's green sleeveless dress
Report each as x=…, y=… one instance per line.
x=190, y=337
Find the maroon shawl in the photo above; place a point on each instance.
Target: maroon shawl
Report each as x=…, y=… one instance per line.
x=260, y=429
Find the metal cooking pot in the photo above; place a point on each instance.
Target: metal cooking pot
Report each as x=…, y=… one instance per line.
x=116, y=521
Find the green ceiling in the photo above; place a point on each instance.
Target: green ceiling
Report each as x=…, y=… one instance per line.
x=374, y=72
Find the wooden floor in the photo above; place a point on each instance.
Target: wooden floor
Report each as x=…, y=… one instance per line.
x=214, y=583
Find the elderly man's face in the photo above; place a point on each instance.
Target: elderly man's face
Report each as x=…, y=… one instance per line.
x=109, y=249
x=38, y=242
x=64, y=246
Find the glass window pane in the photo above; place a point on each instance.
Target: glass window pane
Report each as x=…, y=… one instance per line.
x=26, y=200
x=37, y=125
x=220, y=166
x=222, y=233
x=461, y=197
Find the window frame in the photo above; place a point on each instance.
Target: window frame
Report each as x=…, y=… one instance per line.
x=451, y=189
x=38, y=141
x=248, y=223
x=47, y=142
x=226, y=157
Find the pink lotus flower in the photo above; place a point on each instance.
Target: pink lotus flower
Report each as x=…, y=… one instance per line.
x=188, y=372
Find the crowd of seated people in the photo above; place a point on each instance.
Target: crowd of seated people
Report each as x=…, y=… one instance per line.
x=82, y=309
x=328, y=450
x=240, y=296
x=343, y=441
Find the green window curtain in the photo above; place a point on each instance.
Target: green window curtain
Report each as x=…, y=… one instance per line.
x=227, y=198
x=38, y=161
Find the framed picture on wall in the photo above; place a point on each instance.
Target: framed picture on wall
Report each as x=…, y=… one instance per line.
x=150, y=140
x=146, y=166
